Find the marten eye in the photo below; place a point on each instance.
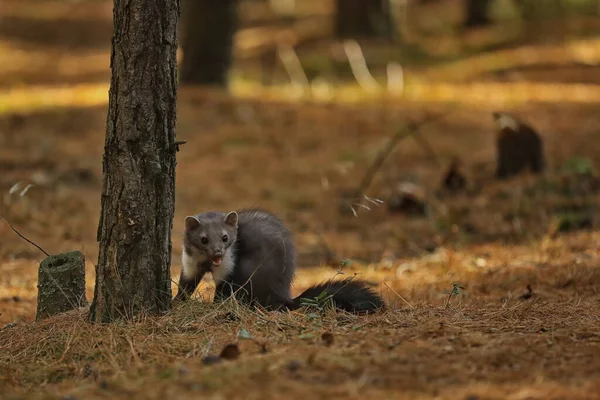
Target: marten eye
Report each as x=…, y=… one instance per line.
x=225, y=238
x=204, y=240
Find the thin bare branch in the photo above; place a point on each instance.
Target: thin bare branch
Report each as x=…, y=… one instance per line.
x=411, y=130
x=24, y=238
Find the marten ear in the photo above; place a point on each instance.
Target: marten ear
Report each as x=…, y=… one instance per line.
x=191, y=223
x=232, y=219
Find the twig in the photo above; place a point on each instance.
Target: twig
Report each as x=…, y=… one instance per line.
x=448, y=300
x=293, y=66
x=428, y=149
x=378, y=162
x=134, y=353
x=454, y=292
x=400, y=297
x=47, y=255
x=358, y=65
x=179, y=143
x=330, y=256
x=411, y=130
x=395, y=78
x=24, y=238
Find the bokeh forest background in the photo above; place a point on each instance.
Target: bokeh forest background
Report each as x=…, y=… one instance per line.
x=492, y=288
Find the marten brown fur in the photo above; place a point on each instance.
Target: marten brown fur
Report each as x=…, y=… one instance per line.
x=518, y=147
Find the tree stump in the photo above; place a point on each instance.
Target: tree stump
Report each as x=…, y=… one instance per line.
x=61, y=284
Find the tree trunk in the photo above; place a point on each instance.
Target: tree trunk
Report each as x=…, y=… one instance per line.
x=207, y=41
x=363, y=19
x=133, y=271
x=477, y=13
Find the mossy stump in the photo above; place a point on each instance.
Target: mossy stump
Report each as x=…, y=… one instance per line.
x=61, y=284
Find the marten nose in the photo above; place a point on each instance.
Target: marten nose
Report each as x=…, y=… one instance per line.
x=218, y=253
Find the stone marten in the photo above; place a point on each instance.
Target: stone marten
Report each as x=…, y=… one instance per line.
x=518, y=147
x=251, y=255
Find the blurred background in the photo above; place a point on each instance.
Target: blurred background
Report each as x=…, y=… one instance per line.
x=286, y=104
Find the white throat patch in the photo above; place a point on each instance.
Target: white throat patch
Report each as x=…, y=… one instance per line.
x=506, y=121
x=190, y=265
x=222, y=271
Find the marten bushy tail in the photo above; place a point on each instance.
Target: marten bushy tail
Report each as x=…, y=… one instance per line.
x=348, y=295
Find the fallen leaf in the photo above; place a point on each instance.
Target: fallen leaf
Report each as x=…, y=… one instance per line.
x=244, y=334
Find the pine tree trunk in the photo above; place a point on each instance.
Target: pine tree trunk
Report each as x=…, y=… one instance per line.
x=477, y=13
x=207, y=41
x=363, y=19
x=133, y=271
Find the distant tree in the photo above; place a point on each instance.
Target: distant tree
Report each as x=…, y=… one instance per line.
x=363, y=18
x=207, y=41
x=133, y=271
x=477, y=13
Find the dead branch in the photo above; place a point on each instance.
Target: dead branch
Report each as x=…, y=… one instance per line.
x=412, y=129
x=24, y=238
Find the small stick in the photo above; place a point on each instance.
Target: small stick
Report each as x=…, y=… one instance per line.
x=425, y=144
x=293, y=66
x=448, y=300
x=179, y=143
x=24, y=238
x=358, y=65
x=330, y=256
x=400, y=297
x=411, y=130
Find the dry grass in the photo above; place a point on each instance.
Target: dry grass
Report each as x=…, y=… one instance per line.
x=487, y=342
x=482, y=345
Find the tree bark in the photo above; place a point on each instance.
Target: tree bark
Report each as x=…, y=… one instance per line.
x=207, y=41
x=133, y=271
x=363, y=19
x=477, y=13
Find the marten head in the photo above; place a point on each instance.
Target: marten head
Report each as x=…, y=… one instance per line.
x=209, y=235
x=506, y=121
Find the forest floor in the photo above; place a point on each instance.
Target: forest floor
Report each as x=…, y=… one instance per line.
x=525, y=326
